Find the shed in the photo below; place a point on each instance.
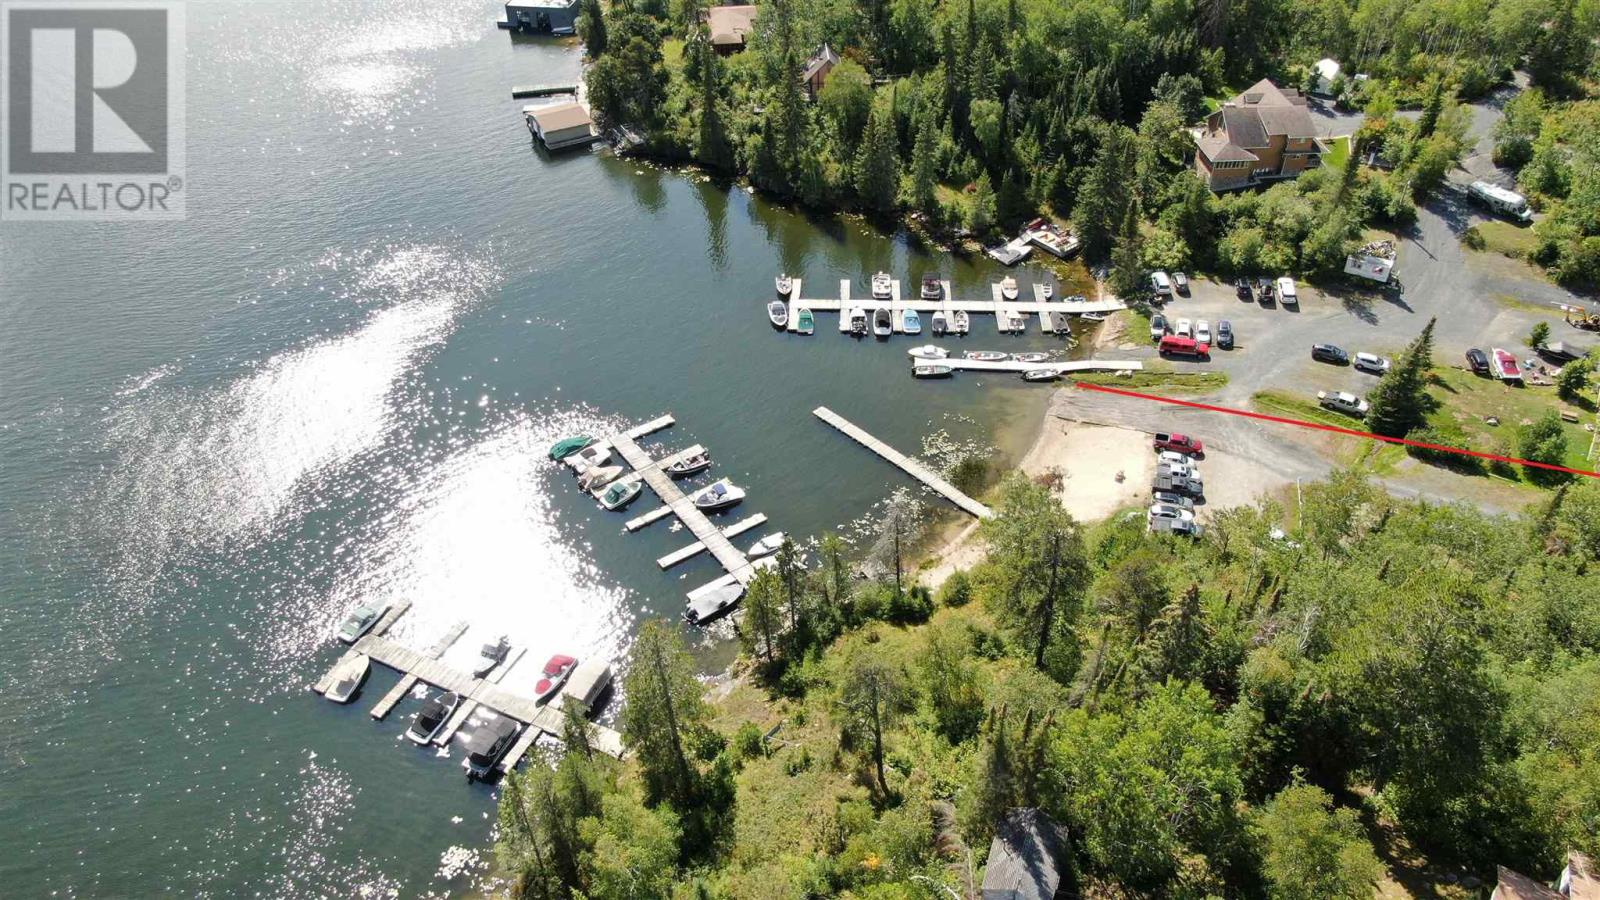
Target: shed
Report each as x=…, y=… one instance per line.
x=730, y=27
x=553, y=16
x=1025, y=857
x=560, y=124
x=1327, y=74
x=1563, y=351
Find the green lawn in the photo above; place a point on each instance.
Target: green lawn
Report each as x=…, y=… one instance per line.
x=1166, y=382
x=1467, y=400
x=1507, y=239
x=1338, y=152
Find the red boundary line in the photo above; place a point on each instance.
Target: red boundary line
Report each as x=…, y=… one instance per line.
x=1333, y=428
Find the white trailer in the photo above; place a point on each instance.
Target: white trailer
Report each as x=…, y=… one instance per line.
x=1506, y=202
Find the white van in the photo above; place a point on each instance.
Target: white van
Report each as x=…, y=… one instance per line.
x=1161, y=284
x=1286, y=294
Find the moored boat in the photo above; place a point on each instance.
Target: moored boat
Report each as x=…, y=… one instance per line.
x=785, y=284
x=587, y=458
x=568, y=446
x=1093, y=317
x=767, y=546
x=939, y=324
x=961, y=323
x=882, y=286
x=490, y=656
x=882, y=322
x=598, y=477
x=1008, y=288
x=778, y=312
x=695, y=464
x=1041, y=375
x=348, y=675
x=1030, y=357
x=910, y=322
x=360, y=621
x=720, y=495
x=1048, y=290
x=931, y=370
x=487, y=744
x=806, y=324
x=928, y=351
x=858, y=321
x=553, y=676
x=713, y=603
x=432, y=717
x=931, y=288
x=620, y=493
x=985, y=355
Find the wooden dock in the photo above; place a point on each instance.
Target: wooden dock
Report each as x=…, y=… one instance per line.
x=912, y=467
x=694, y=549
x=408, y=680
x=395, y=611
x=1055, y=316
x=676, y=503
x=526, y=91
x=1058, y=365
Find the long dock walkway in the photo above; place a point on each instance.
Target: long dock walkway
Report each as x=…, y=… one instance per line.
x=911, y=466
x=681, y=506
x=698, y=547
x=1010, y=315
x=1059, y=365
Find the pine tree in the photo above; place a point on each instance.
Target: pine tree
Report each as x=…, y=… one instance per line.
x=665, y=705
x=878, y=163
x=1429, y=120
x=924, y=163
x=1351, y=170
x=1127, y=270
x=592, y=26
x=712, y=147
x=1400, y=401
x=763, y=616
x=981, y=215
x=1105, y=193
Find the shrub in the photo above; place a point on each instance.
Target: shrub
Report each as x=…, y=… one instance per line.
x=911, y=607
x=1472, y=238
x=1446, y=436
x=956, y=590
x=969, y=474
x=749, y=741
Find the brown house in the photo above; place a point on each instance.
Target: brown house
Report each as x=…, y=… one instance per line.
x=1263, y=134
x=730, y=27
x=817, y=69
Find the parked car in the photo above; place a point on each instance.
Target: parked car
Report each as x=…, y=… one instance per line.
x=1173, y=456
x=1158, y=326
x=1225, y=334
x=1183, y=470
x=1477, y=361
x=1173, y=345
x=1168, y=511
x=1176, y=526
x=1202, y=331
x=1180, y=281
x=1184, y=328
x=1286, y=292
x=1181, y=443
x=1264, y=290
x=1161, y=285
x=1371, y=362
x=1181, y=485
x=1172, y=498
x=1242, y=288
x=1328, y=353
x=1342, y=401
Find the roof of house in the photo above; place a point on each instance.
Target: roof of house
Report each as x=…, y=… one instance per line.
x=1516, y=886
x=1250, y=121
x=823, y=57
x=1582, y=879
x=730, y=24
x=558, y=116
x=1024, y=860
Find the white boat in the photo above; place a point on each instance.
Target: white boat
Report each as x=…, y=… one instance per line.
x=882, y=322
x=1048, y=290
x=347, y=677
x=931, y=370
x=911, y=323
x=961, y=323
x=804, y=323
x=939, y=324
x=1030, y=357
x=598, y=477
x=1093, y=317
x=882, y=286
x=784, y=284
x=778, y=312
x=767, y=546
x=858, y=321
x=694, y=465
x=432, y=718
x=490, y=656
x=620, y=493
x=360, y=621
x=928, y=351
x=588, y=457
x=720, y=495
x=1008, y=288
x=985, y=355
x=931, y=288
x=553, y=675
x=1041, y=375
x=713, y=603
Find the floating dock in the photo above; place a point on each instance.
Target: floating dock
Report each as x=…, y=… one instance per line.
x=1055, y=316
x=1058, y=365
x=528, y=91
x=912, y=467
x=694, y=549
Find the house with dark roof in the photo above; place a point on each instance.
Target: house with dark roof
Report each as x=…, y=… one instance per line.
x=1264, y=133
x=730, y=27
x=1579, y=881
x=1026, y=857
x=817, y=69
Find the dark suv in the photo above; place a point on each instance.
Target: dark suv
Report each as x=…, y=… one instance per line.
x=1328, y=353
x=1477, y=361
x=1225, y=334
x=1242, y=288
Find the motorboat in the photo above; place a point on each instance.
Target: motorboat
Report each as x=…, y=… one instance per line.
x=985, y=355
x=713, y=603
x=554, y=675
x=1506, y=367
x=939, y=323
x=1093, y=317
x=598, y=477
x=931, y=370
x=620, y=493
x=360, y=621
x=767, y=546
x=931, y=288
x=1047, y=290
x=491, y=655
x=1041, y=375
x=720, y=495
x=882, y=322
x=785, y=284
x=347, y=677
x=882, y=286
x=432, y=718
x=858, y=321
x=928, y=351
x=778, y=312
x=910, y=322
x=693, y=465
x=1030, y=357
x=487, y=744
x=806, y=324
x=568, y=446
x=1008, y=288
x=961, y=323
x=587, y=458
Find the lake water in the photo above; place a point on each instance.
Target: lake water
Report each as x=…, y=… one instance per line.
x=335, y=382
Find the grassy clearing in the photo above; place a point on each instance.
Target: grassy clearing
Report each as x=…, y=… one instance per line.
x=1338, y=153
x=1506, y=239
x=1174, y=382
x=1286, y=403
x=1467, y=401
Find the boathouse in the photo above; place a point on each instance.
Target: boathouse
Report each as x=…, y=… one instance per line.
x=560, y=125
x=552, y=16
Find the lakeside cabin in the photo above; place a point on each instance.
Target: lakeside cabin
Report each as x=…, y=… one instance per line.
x=730, y=27
x=558, y=17
x=559, y=125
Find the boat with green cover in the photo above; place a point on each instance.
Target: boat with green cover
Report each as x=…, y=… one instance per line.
x=571, y=445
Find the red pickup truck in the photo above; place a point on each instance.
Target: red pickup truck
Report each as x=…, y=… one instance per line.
x=1181, y=443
